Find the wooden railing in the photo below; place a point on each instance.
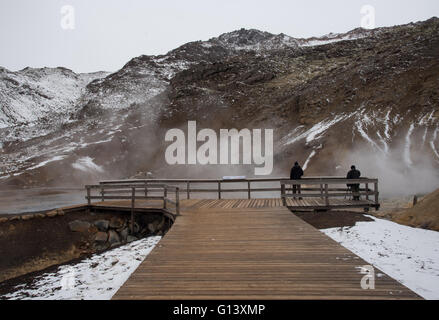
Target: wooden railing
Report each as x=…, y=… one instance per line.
x=186, y=185
x=326, y=189
x=133, y=192
x=318, y=185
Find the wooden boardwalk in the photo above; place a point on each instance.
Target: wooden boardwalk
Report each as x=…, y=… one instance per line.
x=251, y=249
x=294, y=204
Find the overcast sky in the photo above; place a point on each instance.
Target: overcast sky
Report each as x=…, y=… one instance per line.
x=108, y=33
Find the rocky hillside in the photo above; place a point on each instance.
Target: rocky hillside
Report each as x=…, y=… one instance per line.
x=368, y=97
x=33, y=95
x=424, y=214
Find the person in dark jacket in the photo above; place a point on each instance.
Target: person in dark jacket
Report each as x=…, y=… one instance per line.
x=355, y=188
x=296, y=174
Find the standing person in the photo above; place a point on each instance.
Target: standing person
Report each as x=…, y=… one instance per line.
x=355, y=188
x=296, y=174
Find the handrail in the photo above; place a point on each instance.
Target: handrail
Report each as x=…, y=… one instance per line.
x=326, y=193
x=119, y=191
x=188, y=187
x=180, y=180
x=317, y=187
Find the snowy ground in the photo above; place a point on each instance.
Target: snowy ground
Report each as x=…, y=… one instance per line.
x=96, y=278
x=409, y=255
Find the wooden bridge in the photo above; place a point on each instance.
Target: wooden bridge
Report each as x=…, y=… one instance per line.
x=253, y=248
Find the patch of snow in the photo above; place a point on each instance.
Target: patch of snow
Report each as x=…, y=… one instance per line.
x=42, y=164
x=407, y=146
x=360, y=129
x=409, y=255
x=292, y=135
x=86, y=164
x=331, y=38
x=317, y=131
x=33, y=94
x=95, y=278
x=396, y=119
x=424, y=136
x=433, y=139
x=83, y=145
x=312, y=154
x=426, y=118
x=206, y=44
x=384, y=142
x=387, y=125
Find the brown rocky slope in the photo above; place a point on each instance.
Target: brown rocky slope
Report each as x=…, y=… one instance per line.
x=425, y=214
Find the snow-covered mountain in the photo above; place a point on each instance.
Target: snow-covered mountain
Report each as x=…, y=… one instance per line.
x=366, y=96
x=32, y=95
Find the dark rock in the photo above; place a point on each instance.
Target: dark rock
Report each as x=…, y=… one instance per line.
x=425, y=225
x=116, y=244
x=161, y=224
x=131, y=238
x=152, y=227
x=79, y=226
x=52, y=214
x=116, y=222
x=144, y=232
x=102, y=225
x=156, y=225
x=124, y=234
x=101, y=237
x=102, y=246
x=93, y=229
x=136, y=227
x=113, y=237
x=27, y=217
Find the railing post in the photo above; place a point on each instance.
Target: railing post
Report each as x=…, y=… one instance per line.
x=376, y=193
x=219, y=189
x=326, y=195
x=367, y=191
x=146, y=189
x=133, y=197
x=165, y=196
x=177, y=201
x=321, y=191
x=88, y=199
x=188, y=189
x=102, y=194
x=282, y=194
x=248, y=186
x=88, y=195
